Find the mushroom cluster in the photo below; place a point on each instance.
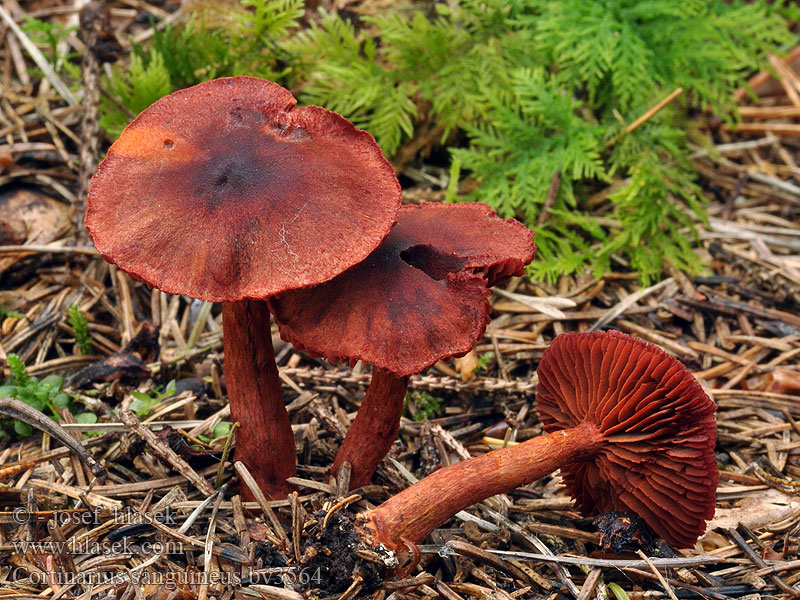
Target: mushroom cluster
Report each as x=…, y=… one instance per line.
x=226, y=192
x=628, y=425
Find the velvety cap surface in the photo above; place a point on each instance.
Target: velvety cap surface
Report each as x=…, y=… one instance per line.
x=658, y=422
x=421, y=296
x=225, y=191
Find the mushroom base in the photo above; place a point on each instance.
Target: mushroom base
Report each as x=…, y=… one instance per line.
x=334, y=556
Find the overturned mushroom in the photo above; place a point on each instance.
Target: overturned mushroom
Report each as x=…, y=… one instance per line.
x=421, y=296
x=630, y=427
x=228, y=193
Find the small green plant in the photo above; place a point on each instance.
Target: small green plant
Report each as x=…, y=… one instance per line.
x=7, y=312
x=144, y=403
x=546, y=86
x=484, y=360
x=46, y=395
x=220, y=430
x=77, y=320
x=145, y=81
x=180, y=57
x=50, y=35
x=618, y=592
x=422, y=405
x=517, y=91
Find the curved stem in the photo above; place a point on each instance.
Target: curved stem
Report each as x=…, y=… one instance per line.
x=264, y=440
x=416, y=511
x=375, y=427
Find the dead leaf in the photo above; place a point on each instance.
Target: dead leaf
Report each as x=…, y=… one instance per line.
x=33, y=216
x=755, y=511
x=467, y=364
x=29, y=216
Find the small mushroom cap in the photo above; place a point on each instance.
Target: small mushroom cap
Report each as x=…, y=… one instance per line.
x=658, y=423
x=419, y=297
x=225, y=191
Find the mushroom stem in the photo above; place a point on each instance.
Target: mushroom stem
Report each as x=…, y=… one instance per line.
x=416, y=511
x=264, y=440
x=375, y=427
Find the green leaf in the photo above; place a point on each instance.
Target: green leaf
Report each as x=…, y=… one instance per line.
x=619, y=593
x=222, y=429
x=86, y=418
x=61, y=401
x=13, y=314
x=142, y=397
x=140, y=407
x=23, y=429
x=53, y=382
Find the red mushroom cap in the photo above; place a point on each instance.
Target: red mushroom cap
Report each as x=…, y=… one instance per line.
x=658, y=460
x=225, y=191
x=419, y=297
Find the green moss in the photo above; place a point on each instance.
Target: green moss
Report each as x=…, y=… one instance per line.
x=519, y=90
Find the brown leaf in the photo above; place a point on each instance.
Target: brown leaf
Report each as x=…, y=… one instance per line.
x=467, y=364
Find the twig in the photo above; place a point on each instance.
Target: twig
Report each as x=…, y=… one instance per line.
x=11, y=407
x=545, y=305
x=676, y=583
x=165, y=452
x=208, y=550
x=225, y=452
x=762, y=128
x=627, y=302
x=38, y=58
x=788, y=79
x=198, y=511
x=692, y=561
x=225, y=551
x=94, y=20
x=645, y=117
x=250, y=482
x=54, y=249
x=756, y=560
x=590, y=583
x=657, y=573
x=764, y=76
x=735, y=147
x=276, y=593
x=488, y=558
x=535, y=542
x=321, y=376
x=769, y=112
x=552, y=193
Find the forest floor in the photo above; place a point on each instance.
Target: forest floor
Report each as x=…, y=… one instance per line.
x=737, y=328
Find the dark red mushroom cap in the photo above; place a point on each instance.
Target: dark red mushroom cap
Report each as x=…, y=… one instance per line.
x=419, y=297
x=658, y=423
x=225, y=191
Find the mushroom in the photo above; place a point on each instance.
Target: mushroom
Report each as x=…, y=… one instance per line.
x=421, y=296
x=628, y=425
x=226, y=192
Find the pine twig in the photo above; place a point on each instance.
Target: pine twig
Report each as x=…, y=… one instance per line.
x=552, y=193
x=38, y=58
x=165, y=452
x=645, y=117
